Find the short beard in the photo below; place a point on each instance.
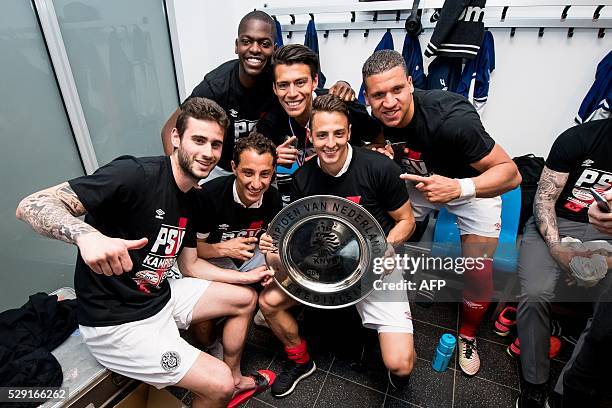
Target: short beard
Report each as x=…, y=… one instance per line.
x=186, y=164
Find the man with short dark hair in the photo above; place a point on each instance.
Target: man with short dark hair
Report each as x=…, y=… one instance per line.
x=373, y=182
x=239, y=207
x=295, y=68
x=139, y=220
x=243, y=87
x=451, y=162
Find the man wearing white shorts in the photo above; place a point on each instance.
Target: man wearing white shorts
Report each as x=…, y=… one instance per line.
x=139, y=220
x=371, y=180
x=451, y=162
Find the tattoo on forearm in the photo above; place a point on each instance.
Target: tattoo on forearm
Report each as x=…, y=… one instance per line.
x=53, y=213
x=549, y=188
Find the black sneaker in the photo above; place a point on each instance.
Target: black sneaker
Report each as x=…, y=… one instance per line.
x=290, y=375
x=398, y=382
x=532, y=396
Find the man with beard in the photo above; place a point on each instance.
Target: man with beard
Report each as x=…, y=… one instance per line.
x=242, y=87
x=139, y=219
x=372, y=181
x=451, y=162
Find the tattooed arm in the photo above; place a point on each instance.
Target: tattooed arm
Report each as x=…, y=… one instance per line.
x=54, y=213
x=549, y=188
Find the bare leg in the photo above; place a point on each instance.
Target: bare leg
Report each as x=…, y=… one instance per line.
x=477, y=246
x=211, y=382
x=275, y=304
x=398, y=352
x=204, y=332
x=237, y=303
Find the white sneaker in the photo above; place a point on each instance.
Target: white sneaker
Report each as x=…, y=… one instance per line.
x=260, y=320
x=468, y=356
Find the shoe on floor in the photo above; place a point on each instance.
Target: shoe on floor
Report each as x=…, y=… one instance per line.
x=260, y=320
x=506, y=321
x=290, y=375
x=514, y=349
x=469, y=361
x=532, y=396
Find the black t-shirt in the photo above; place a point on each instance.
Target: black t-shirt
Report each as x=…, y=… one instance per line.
x=444, y=136
x=222, y=218
x=585, y=152
x=244, y=106
x=277, y=125
x=371, y=180
x=133, y=198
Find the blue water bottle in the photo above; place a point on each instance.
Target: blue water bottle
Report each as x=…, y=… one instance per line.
x=444, y=352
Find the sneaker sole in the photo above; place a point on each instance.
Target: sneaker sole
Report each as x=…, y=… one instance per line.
x=502, y=334
x=300, y=378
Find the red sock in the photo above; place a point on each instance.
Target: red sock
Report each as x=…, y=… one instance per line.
x=477, y=292
x=299, y=353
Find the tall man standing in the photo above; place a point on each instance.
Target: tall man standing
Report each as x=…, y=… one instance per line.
x=139, y=219
x=451, y=162
x=373, y=182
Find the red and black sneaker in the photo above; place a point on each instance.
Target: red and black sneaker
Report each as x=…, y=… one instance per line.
x=514, y=349
x=506, y=321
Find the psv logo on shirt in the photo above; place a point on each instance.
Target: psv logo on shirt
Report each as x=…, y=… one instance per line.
x=161, y=256
x=412, y=163
x=581, y=197
x=254, y=230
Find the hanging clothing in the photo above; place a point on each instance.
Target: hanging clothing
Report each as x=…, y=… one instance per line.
x=474, y=83
x=596, y=103
x=413, y=57
x=279, y=34
x=444, y=73
x=459, y=30
x=386, y=43
x=311, y=40
x=27, y=337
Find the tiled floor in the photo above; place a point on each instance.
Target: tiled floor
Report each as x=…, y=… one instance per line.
x=339, y=382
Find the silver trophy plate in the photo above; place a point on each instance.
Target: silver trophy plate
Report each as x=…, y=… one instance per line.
x=326, y=247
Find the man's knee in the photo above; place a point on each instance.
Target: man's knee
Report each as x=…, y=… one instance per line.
x=537, y=293
x=270, y=302
x=247, y=299
x=220, y=389
x=401, y=365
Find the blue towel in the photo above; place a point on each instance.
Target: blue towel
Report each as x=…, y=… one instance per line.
x=279, y=33
x=444, y=73
x=312, y=41
x=479, y=69
x=596, y=103
x=386, y=43
x=414, y=60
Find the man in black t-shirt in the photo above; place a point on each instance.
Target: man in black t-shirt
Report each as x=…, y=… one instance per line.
x=139, y=220
x=295, y=68
x=368, y=179
x=243, y=87
x=239, y=207
x=580, y=159
x=451, y=162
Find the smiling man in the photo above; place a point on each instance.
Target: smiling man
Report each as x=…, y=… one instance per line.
x=243, y=87
x=371, y=180
x=239, y=207
x=450, y=162
x=295, y=69
x=139, y=220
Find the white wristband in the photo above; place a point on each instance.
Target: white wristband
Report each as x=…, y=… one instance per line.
x=468, y=188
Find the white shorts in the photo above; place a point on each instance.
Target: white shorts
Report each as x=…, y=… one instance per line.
x=477, y=216
x=387, y=311
x=151, y=350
